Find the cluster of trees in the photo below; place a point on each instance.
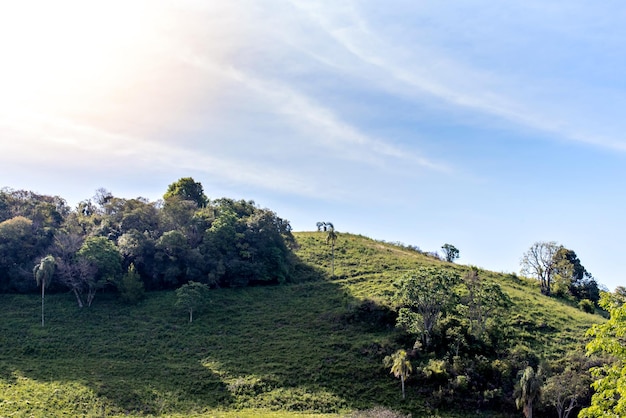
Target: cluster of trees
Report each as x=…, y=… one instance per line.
x=134, y=244
x=463, y=350
x=456, y=323
x=560, y=272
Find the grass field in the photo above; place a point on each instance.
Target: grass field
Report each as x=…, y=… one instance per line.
x=280, y=351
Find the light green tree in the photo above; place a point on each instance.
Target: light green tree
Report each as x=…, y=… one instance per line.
x=609, y=338
x=192, y=297
x=528, y=390
x=400, y=367
x=43, y=275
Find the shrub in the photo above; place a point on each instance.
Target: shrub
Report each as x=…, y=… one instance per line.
x=131, y=287
x=587, y=306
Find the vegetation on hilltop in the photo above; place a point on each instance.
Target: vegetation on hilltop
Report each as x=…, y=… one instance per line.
x=185, y=237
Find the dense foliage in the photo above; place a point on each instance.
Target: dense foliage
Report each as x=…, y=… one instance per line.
x=186, y=237
x=609, y=398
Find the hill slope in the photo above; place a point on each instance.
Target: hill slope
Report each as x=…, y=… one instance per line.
x=316, y=346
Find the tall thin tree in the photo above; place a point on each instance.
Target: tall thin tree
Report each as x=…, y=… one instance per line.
x=400, y=367
x=43, y=273
x=331, y=238
x=529, y=390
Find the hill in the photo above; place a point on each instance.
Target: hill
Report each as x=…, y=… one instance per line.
x=316, y=346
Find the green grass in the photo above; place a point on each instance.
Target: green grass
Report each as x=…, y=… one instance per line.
x=279, y=351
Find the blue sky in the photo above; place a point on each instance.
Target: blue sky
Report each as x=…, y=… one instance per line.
x=485, y=125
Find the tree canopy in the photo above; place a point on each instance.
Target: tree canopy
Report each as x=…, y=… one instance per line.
x=609, y=398
x=187, y=189
x=220, y=242
x=450, y=252
x=423, y=296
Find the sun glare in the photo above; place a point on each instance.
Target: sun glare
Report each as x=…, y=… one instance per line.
x=62, y=54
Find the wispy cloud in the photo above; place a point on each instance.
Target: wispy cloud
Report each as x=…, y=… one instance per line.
x=316, y=123
x=416, y=67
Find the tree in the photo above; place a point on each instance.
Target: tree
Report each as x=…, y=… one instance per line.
x=131, y=287
x=528, y=390
x=105, y=261
x=450, y=252
x=483, y=300
x=609, y=398
x=573, y=277
x=609, y=301
x=400, y=366
x=43, y=273
x=20, y=244
x=422, y=297
x=566, y=389
x=540, y=261
x=191, y=297
x=187, y=188
x=331, y=237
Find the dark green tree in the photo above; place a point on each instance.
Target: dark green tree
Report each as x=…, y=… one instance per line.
x=172, y=254
x=131, y=287
x=187, y=188
x=573, y=277
x=450, y=252
x=20, y=245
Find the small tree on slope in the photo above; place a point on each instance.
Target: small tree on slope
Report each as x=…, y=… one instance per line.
x=191, y=297
x=400, y=366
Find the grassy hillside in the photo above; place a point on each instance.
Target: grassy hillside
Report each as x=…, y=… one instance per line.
x=312, y=347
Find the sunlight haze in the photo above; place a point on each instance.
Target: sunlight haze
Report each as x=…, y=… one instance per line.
x=489, y=126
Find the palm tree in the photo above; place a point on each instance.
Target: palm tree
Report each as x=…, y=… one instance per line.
x=529, y=390
x=331, y=238
x=43, y=275
x=400, y=366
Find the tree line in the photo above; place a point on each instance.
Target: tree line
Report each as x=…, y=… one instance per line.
x=132, y=245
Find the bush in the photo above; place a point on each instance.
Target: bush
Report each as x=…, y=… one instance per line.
x=587, y=306
x=131, y=287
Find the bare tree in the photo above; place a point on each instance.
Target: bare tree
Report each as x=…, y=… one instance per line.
x=539, y=261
